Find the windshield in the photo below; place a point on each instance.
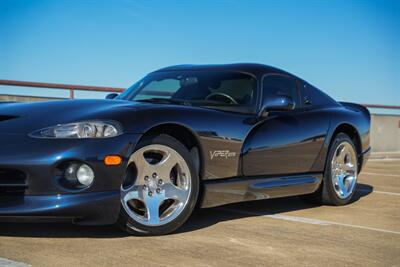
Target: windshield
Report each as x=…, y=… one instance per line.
x=194, y=88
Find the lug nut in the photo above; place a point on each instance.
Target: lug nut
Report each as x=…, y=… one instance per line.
x=154, y=175
x=158, y=190
x=144, y=187
x=150, y=193
x=146, y=178
x=160, y=182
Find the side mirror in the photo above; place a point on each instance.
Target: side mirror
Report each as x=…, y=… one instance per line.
x=111, y=96
x=277, y=103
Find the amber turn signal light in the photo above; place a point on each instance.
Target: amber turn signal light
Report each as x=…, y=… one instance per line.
x=112, y=160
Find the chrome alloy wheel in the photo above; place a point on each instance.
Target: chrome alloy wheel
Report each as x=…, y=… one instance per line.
x=160, y=185
x=344, y=170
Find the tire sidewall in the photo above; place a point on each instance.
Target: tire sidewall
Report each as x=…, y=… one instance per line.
x=133, y=227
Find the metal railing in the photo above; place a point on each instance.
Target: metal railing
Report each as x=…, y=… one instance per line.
x=72, y=88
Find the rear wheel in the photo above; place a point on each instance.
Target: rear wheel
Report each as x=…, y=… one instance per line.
x=160, y=189
x=341, y=172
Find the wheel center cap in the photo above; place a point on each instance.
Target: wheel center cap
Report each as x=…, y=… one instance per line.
x=152, y=184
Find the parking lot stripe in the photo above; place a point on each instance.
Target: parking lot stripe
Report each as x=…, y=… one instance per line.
x=379, y=192
x=10, y=263
x=385, y=159
x=367, y=228
x=297, y=219
x=380, y=174
x=308, y=220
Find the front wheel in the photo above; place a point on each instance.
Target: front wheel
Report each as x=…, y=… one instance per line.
x=160, y=189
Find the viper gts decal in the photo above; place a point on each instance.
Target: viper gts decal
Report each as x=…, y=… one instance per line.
x=222, y=154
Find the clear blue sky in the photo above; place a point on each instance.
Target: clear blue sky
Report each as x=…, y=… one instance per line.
x=350, y=49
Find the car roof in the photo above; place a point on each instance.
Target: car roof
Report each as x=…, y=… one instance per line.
x=252, y=68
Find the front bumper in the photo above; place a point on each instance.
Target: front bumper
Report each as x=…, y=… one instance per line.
x=43, y=196
x=85, y=208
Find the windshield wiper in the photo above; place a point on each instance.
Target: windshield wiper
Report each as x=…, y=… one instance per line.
x=164, y=100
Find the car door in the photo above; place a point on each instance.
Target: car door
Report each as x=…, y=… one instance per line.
x=286, y=142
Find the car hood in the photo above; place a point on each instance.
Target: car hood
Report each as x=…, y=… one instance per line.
x=23, y=118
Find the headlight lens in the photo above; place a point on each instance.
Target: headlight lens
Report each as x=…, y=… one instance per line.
x=84, y=129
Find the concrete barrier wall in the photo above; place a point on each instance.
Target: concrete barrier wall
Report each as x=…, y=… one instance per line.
x=385, y=133
x=21, y=98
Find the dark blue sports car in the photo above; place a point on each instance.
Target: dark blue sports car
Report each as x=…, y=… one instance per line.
x=182, y=136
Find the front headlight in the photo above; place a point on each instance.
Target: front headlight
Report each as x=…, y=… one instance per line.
x=84, y=129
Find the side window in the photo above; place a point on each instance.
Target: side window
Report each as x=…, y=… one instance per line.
x=314, y=97
x=277, y=85
x=241, y=89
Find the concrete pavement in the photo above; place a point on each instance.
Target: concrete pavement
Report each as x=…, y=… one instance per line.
x=285, y=232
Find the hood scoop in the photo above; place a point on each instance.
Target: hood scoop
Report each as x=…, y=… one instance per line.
x=7, y=117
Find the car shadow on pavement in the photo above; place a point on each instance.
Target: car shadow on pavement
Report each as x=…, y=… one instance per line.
x=201, y=218
x=204, y=218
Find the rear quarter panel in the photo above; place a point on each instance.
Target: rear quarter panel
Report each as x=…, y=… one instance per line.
x=357, y=116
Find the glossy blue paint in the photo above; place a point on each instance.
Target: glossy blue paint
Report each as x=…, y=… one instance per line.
x=39, y=159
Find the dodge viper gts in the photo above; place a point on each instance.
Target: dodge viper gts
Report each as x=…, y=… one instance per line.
x=181, y=137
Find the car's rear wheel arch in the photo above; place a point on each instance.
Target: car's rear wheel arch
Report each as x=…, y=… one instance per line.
x=185, y=136
x=344, y=133
x=352, y=132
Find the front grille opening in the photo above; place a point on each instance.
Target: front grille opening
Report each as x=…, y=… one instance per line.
x=12, y=182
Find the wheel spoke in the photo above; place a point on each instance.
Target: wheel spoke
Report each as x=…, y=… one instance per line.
x=349, y=168
x=342, y=185
x=165, y=166
x=153, y=208
x=350, y=181
x=143, y=168
x=135, y=192
x=342, y=154
x=174, y=192
x=335, y=179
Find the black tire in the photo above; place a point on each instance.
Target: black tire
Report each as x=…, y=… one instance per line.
x=126, y=223
x=326, y=193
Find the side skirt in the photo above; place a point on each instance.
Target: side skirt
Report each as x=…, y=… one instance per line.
x=239, y=189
